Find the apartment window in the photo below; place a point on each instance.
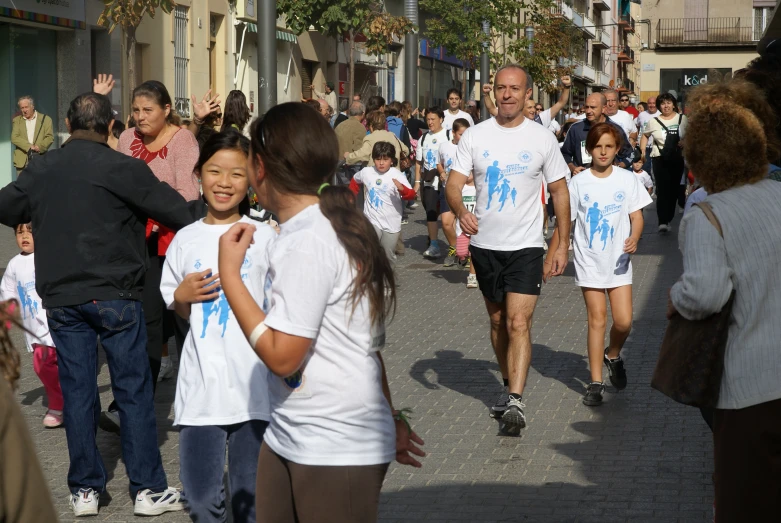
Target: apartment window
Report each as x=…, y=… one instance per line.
x=181, y=100
x=762, y=17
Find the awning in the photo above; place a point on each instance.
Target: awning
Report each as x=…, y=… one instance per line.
x=281, y=35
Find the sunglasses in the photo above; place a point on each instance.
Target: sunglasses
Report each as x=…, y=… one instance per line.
x=624, y=99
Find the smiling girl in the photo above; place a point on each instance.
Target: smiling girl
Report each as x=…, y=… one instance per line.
x=222, y=390
x=606, y=204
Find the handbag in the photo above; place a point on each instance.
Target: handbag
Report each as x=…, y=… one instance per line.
x=691, y=358
x=405, y=162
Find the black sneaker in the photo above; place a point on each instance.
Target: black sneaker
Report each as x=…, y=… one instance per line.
x=109, y=421
x=513, y=419
x=594, y=392
x=500, y=406
x=617, y=373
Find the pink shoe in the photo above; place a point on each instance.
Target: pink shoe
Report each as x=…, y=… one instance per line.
x=52, y=420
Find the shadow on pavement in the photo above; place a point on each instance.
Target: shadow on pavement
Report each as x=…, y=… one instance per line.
x=569, y=368
x=450, y=367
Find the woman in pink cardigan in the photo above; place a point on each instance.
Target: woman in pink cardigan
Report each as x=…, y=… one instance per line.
x=171, y=153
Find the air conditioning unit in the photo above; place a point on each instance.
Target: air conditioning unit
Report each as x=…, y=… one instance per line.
x=247, y=10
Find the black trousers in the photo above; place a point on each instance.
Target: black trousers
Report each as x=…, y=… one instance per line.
x=668, y=186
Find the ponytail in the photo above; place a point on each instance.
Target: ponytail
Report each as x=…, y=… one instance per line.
x=299, y=152
x=374, y=273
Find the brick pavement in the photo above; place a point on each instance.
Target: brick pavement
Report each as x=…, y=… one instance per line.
x=639, y=457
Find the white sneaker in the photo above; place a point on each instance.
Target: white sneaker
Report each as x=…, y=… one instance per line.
x=150, y=503
x=471, y=281
x=166, y=370
x=664, y=228
x=85, y=503
x=414, y=205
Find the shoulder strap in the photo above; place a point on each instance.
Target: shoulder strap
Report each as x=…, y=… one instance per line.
x=708, y=210
x=660, y=122
x=447, y=133
x=423, y=139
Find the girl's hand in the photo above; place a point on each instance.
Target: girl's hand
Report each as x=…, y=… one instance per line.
x=233, y=247
x=630, y=245
x=406, y=441
x=547, y=269
x=197, y=287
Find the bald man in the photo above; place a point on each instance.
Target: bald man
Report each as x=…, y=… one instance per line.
x=574, y=148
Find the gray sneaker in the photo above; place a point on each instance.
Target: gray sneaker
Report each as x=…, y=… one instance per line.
x=500, y=406
x=513, y=419
x=450, y=259
x=432, y=251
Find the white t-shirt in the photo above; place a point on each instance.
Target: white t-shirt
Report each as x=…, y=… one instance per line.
x=428, y=153
x=447, y=157
x=545, y=117
x=383, y=205
x=450, y=118
x=554, y=126
x=469, y=197
x=509, y=166
x=625, y=121
x=332, y=410
x=655, y=130
x=221, y=379
x=645, y=179
x=19, y=283
x=642, y=122
x=600, y=208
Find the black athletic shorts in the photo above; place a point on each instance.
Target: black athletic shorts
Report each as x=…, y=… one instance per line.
x=500, y=272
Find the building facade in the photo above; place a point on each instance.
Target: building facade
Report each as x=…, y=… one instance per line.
x=691, y=42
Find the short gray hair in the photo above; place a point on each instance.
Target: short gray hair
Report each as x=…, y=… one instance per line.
x=610, y=91
x=529, y=79
x=357, y=108
x=343, y=104
x=26, y=97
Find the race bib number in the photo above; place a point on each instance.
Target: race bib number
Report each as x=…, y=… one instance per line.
x=469, y=203
x=585, y=156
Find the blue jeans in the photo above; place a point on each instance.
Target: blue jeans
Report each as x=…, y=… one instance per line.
x=120, y=325
x=202, y=462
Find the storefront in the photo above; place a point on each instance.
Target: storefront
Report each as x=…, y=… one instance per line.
x=678, y=82
x=438, y=72
x=28, y=62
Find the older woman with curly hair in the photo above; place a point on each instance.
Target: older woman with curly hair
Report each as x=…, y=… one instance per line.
x=727, y=149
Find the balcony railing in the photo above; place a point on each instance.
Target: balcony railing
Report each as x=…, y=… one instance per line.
x=602, y=40
x=601, y=5
x=561, y=8
x=682, y=32
x=588, y=27
x=584, y=71
x=626, y=54
x=577, y=19
x=627, y=23
x=602, y=79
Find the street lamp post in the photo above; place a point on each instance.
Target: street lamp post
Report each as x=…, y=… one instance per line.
x=485, y=68
x=411, y=54
x=267, y=55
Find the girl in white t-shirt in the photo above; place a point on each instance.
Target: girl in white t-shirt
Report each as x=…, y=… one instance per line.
x=644, y=177
x=606, y=205
x=319, y=328
x=384, y=189
x=446, y=157
x=222, y=389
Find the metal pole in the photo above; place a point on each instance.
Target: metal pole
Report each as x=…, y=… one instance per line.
x=267, y=55
x=411, y=55
x=485, y=69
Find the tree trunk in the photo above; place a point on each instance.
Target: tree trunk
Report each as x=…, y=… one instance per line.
x=464, y=72
x=130, y=49
x=352, y=64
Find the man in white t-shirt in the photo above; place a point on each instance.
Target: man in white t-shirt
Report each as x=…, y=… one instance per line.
x=625, y=120
x=642, y=122
x=510, y=156
x=454, y=111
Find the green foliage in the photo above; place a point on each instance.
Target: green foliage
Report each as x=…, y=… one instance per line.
x=458, y=26
x=129, y=13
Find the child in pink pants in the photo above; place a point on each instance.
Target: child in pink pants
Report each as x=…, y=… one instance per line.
x=19, y=284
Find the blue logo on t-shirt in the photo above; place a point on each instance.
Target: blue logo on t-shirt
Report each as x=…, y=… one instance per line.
x=525, y=156
x=219, y=308
x=295, y=380
x=619, y=196
x=29, y=305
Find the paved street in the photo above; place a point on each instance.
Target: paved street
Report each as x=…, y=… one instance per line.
x=638, y=457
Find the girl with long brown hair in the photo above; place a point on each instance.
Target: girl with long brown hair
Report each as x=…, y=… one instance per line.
x=319, y=329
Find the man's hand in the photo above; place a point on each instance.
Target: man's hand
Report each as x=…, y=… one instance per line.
x=487, y=88
x=577, y=170
x=103, y=84
x=566, y=81
x=35, y=148
x=206, y=106
x=468, y=223
x=547, y=269
x=197, y=287
x=560, y=258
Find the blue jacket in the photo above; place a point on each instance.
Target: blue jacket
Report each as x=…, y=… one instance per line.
x=576, y=138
